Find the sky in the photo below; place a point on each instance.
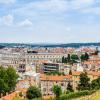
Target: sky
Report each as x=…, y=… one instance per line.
x=49, y=21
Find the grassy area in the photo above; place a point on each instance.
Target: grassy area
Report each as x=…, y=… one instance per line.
x=97, y=96
x=94, y=96
x=16, y=98
x=73, y=95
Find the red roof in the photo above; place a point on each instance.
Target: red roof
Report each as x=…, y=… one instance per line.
x=55, y=78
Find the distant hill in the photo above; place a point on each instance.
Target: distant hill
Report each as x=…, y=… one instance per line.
x=75, y=45
x=1, y=46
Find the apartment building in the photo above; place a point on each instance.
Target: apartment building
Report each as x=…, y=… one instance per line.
x=23, y=59
x=50, y=67
x=76, y=77
x=47, y=83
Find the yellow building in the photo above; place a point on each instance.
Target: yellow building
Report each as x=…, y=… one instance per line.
x=48, y=81
x=76, y=77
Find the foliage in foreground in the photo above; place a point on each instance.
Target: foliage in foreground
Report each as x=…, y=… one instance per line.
x=95, y=84
x=33, y=92
x=76, y=94
x=84, y=82
x=8, y=79
x=55, y=73
x=70, y=87
x=57, y=91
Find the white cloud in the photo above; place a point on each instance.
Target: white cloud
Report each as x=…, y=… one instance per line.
x=25, y=23
x=52, y=6
x=77, y=4
x=63, y=5
x=95, y=10
x=87, y=2
x=7, y=20
x=7, y=1
x=43, y=6
x=68, y=29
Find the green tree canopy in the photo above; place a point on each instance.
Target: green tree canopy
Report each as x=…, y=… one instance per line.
x=11, y=78
x=96, y=52
x=3, y=87
x=33, y=92
x=57, y=91
x=69, y=58
x=84, y=57
x=95, y=84
x=63, y=59
x=8, y=79
x=84, y=82
x=69, y=87
x=74, y=57
x=70, y=72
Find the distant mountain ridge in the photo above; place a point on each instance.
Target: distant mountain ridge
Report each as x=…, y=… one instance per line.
x=74, y=45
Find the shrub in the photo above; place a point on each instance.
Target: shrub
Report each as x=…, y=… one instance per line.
x=33, y=92
x=75, y=95
x=20, y=94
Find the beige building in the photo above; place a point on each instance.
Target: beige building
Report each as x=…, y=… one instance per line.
x=47, y=83
x=21, y=60
x=76, y=77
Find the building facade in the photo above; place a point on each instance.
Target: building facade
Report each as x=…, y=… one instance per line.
x=50, y=67
x=47, y=83
x=20, y=59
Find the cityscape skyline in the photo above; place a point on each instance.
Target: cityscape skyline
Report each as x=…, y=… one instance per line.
x=49, y=21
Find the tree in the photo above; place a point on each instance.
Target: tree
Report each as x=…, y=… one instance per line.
x=11, y=78
x=84, y=82
x=33, y=92
x=3, y=87
x=95, y=84
x=8, y=79
x=69, y=87
x=3, y=84
x=63, y=59
x=3, y=74
x=74, y=57
x=68, y=58
x=57, y=91
x=21, y=94
x=98, y=81
x=84, y=57
x=96, y=52
x=70, y=72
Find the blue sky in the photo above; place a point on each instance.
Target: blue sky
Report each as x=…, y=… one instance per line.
x=49, y=21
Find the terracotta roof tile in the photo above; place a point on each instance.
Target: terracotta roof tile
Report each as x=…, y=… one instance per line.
x=55, y=78
x=89, y=73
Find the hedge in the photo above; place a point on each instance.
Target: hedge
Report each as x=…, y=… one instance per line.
x=76, y=94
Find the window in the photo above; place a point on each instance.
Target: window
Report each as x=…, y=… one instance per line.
x=44, y=89
x=62, y=84
x=51, y=89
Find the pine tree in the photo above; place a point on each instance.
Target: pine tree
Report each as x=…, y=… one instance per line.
x=69, y=87
x=57, y=91
x=70, y=72
x=86, y=56
x=63, y=59
x=84, y=82
x=68, y=58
